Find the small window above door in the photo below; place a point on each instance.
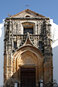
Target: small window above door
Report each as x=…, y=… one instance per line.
x=29, y=30
x=28, y=27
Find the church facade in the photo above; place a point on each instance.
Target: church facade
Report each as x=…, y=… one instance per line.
x=28, y=57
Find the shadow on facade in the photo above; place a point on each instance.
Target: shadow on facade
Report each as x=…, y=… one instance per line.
x=13, y=80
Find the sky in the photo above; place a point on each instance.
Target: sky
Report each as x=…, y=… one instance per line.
x=48, y=8
x=45, y=7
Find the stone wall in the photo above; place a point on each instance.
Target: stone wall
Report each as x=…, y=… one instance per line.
x=14, y=39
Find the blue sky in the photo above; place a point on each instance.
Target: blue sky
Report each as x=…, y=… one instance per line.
x=47, y=8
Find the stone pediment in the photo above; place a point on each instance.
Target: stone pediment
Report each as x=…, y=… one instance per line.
x=27, y=13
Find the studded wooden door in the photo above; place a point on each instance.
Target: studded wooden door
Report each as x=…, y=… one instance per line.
x=28, y=77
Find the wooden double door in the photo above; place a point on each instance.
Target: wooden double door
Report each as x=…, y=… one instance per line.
x=28, y=77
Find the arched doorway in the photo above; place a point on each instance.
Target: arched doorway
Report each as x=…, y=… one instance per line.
x=28, y=60
x=28, y=77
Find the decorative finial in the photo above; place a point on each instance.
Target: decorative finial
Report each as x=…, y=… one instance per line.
x=27, y=34
x=9, y=15
x=27, y=5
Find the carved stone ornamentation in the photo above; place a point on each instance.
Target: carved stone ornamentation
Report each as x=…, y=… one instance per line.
x=27, y=50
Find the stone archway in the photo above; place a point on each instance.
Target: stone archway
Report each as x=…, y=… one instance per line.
x=28, y=59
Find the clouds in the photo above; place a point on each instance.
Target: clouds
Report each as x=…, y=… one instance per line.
x=1, y=26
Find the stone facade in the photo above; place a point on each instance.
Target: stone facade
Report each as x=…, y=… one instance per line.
x=27, y=44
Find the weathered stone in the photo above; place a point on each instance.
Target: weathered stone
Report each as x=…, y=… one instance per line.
x=28, y=51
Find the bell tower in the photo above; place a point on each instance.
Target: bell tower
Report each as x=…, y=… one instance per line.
x=28, y=57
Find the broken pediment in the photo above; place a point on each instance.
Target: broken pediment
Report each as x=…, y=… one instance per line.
x=27, y=13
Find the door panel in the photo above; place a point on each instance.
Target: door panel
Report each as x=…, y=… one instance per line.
x=28, y=77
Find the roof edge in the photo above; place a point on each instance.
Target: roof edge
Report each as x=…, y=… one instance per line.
x=26, y=10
